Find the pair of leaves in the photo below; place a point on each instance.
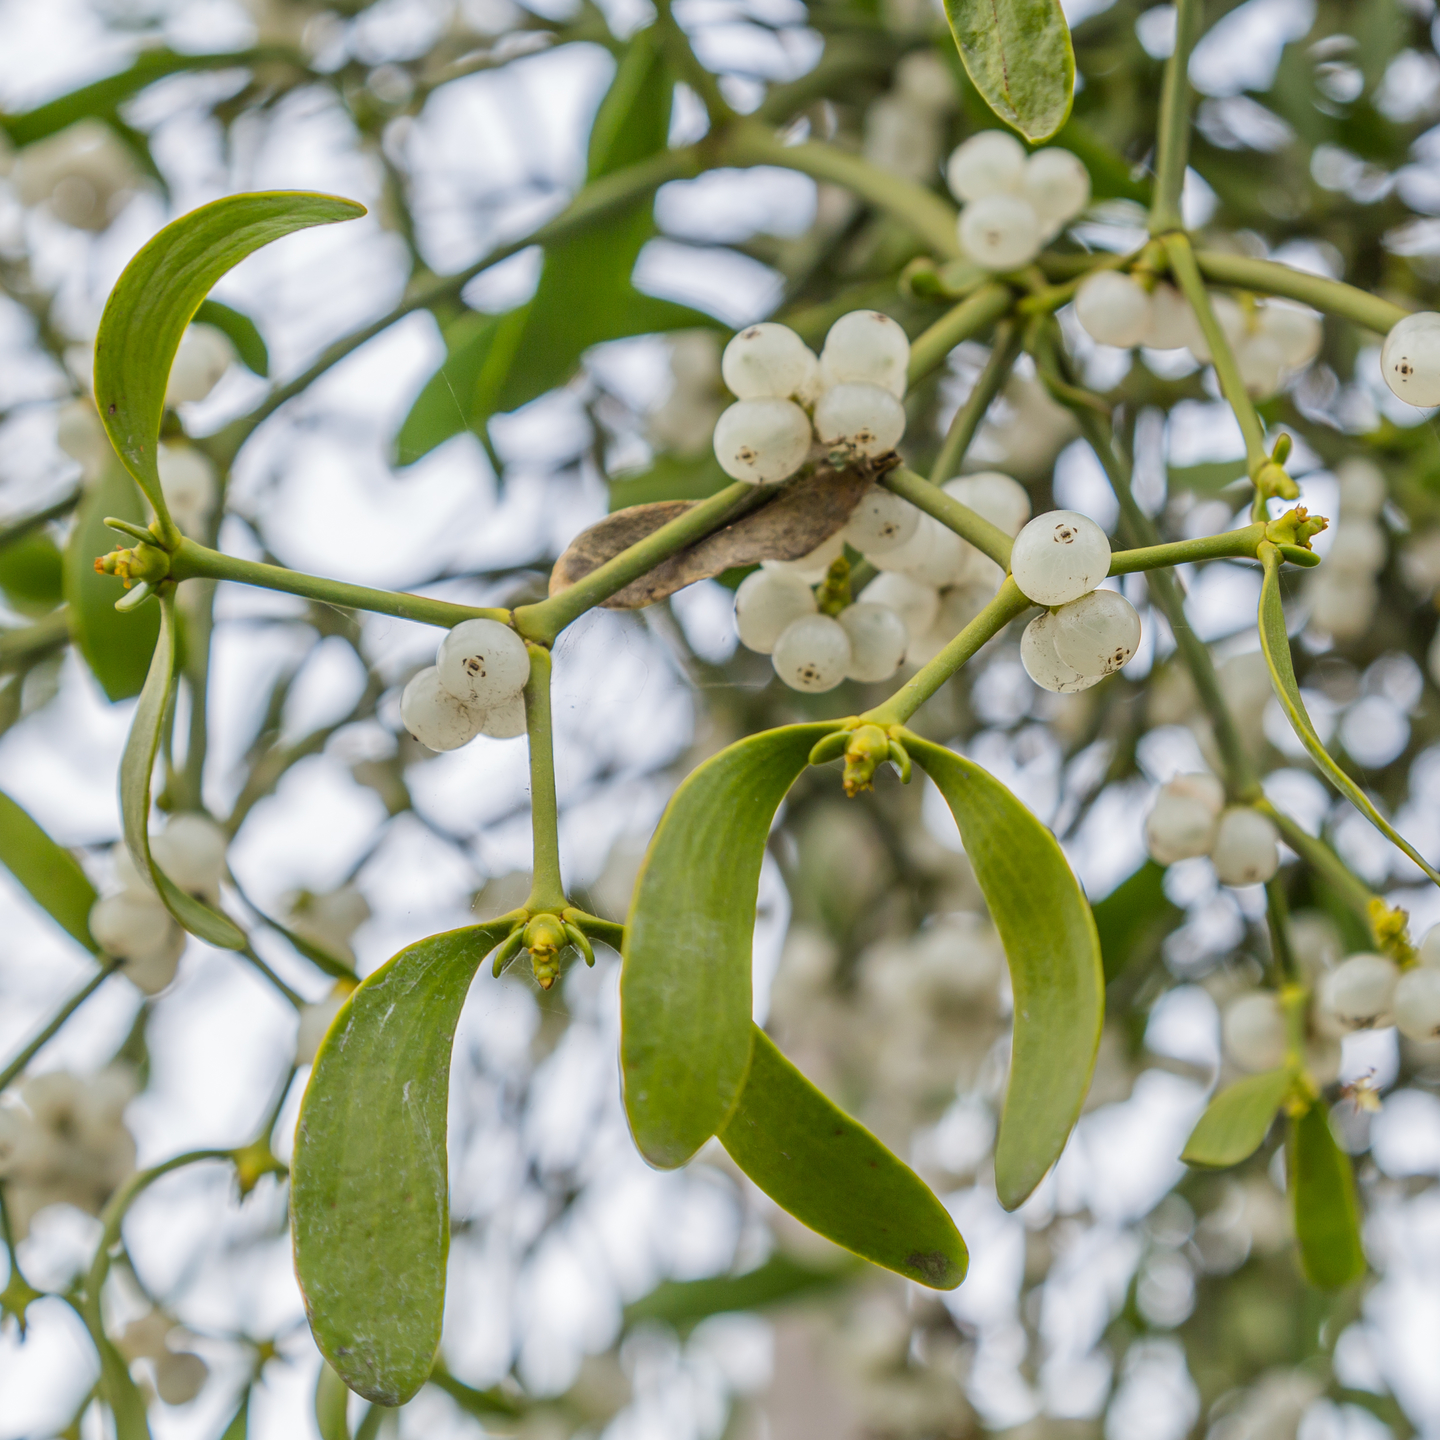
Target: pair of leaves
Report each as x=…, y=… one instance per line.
x=1019, y=57
x=369, y=1182
x=50, y=873
x=1275, y=642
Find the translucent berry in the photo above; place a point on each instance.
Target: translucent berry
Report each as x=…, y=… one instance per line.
x=878, y=638
x=867, y=347
x=1410, y=358
x=917, y=605
x=1059, y=556
x=1000, y=232
x=315, y=1020
x=1295, y=330
x=933, y=555
x=205, y=354
x=990, y=163
x=762, y=441
x=1182, y=825
x=1057, y=184
x=766, y=603
x=1113, y=308
x=1253, y=1031
x=505, y=720
x=79, y=433
x=482, y=662
x=434, y=716
x=813, y=566
x=1429, y=948
x=130, y=925
x=1043, y=665
x=1246, y=850
x=1262, y=365
x=1097, y=633
x=996, y=497
x=1358, y=548
x=880, y=522
x=1416, y=1003
x=1172, y=322
x=813, y=654
x=1362, y=489
x=868, y=419
x=1232, y=323
x=191, y=851
x=187, y=481
x=767, y=362
x=1358, y=993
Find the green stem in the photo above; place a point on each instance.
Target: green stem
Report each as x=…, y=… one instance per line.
x=968, y=318
x=1005, y=607
x=1333, y=297
x=679, y=52
x=22, y=526
x=191, y=779
x=951, y=513
x=66, y=1010
x=977, y=402
x=1172, y=141
x=1277, y=914
x=192, y=562
x=1323, y=860
x=931, y=218
x=1228, y=545
x=29, y=642
x=1185, y=270
x=547, y=888
x=543, y=621
x=293, y=996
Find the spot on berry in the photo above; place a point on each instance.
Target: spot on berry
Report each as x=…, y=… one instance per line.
x=474, y=666
x=1065, y=534
x=747, y=455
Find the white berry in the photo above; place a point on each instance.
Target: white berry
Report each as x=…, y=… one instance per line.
x=994, y=497
x=1000, y=232
x=1097, y=633
x=878, y=638
x=506, y=720
x=1362, y=489
x=867, y=347
x=1294, y=329
x=813, y=654
x=762, y=441
x=1428, y=951
x=1172, y=322
x=1057, y=184
x=1262, y=365
x=1181, y=826
x=1043, y=665
x=990, y=163
x=1357, y=994
x=1059, y=556
x=434, y=716
x=1113, y=308
x=1358, y=548
x=187, y=481
x=131, y=924
x=813, y=566
x=866, y=418
x=315, y=1020
x=767, y=362
x=1231, y=319
x=917, y=605
x=1246, y=848
x=205, y=354
x=1410, y=358
x=880, y=522
x=1253, y=1030
x=766, y=603
x=482, y=662
x=1416, y=1003
x=933, y=555
x=191, y=851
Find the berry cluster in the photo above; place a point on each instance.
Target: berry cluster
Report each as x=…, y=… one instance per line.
x=1190, y=818
x=133, y=925
x=1270, y=339
x=473, y=688
x=848, y=399
x=1086, y=633
x=1013, y=204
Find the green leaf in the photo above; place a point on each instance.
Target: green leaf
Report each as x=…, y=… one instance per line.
x=1237, y=1120
x=1208, y=478
x=332, y=1400
x=121, y=1394
x=1054, y=956
x=1275, y=642
x=684, y=1303
x=1019, y=57
x=369, y=1185
x=242, y=332
x=31, y=573
x=137, y=765
x=1322, y=1199
x=158, y=293
x=239, y=1426
x=117, y=645
x=671, y=477
x=1133, y=919
x=48, y=871
x=685, y=982
x=830, y=1172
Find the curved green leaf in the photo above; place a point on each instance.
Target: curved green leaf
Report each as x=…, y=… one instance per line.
x=831, y=1173
x=120, y=1392
x=1237, y=1120
x=685, y=983
x=332, y=1400
x=239, y=1426
x=117, y=645
x=682, y=1304
x=158, y=293
x=48, y=871
x=1275, y=642
x=369, y=1185
x=137, y=765
x=1133, y=919
x=1019, y=57
x=1322, y=1200
x=242, y=332
x=1054, y=955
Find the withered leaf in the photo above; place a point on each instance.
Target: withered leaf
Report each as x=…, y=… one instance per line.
x=801, y=514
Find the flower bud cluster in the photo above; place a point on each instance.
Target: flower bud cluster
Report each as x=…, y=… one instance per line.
x=1190, y=819
x=473, y=688
x=84, y=174
x=66, y=1143
x=848, y=399
x=1013, y=204
x=1342, y=592
x=1271, y=339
